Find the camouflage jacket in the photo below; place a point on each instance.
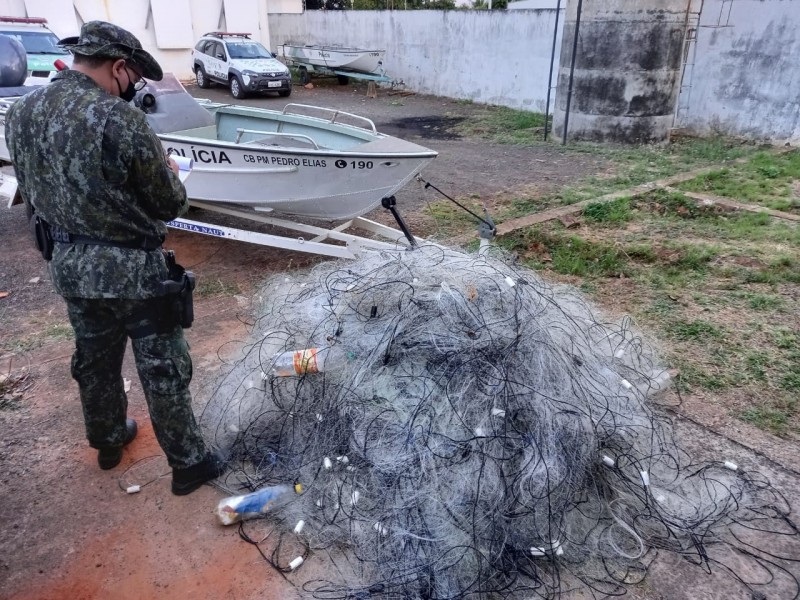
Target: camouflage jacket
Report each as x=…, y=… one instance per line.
x=89, y=163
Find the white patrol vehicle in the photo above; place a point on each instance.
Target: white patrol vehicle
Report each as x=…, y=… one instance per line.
x=40, y=45
x=246, y=66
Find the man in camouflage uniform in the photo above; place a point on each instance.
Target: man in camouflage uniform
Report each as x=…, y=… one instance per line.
x=89, y=165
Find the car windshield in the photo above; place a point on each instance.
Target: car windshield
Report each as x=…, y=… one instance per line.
x=36, y=42
x=248, y=50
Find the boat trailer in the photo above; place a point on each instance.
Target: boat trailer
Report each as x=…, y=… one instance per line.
x=318, y=241
x=335, y=242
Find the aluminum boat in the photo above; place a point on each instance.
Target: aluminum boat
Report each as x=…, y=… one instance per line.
x=334, y=57
x=303, y=160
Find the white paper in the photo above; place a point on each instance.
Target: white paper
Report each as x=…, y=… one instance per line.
x=185, y=166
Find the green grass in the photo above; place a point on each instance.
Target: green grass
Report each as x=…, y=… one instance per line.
x=566, y=254
x=693, y=330
x=52, y=333
x=770, y=419
x=766, y=179
x=207, y=288
x=616, y=212
x=717, y=286
x=502, y=125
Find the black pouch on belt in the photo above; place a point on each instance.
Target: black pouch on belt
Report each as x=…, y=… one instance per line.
x=42, y=236
x=178, y=292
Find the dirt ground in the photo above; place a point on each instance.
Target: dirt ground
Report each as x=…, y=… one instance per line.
x=70, y=531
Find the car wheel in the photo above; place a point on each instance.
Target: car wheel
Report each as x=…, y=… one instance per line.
x=201, y=77
x=237, y=88
x=304, y=76
x=285, y=93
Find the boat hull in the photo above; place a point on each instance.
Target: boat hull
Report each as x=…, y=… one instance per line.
x=347, y=59
x=313, y=184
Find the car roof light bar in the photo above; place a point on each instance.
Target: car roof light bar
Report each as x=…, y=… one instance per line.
x=221, y=34
x=37, y=20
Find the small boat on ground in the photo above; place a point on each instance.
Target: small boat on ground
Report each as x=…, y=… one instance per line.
x=303, y=160
x=334, y=57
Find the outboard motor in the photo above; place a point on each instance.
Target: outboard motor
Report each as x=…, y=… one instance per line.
x=13, y=67
x=169, y=107
x=13, y=62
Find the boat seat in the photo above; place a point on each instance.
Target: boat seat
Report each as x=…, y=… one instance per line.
x=280, y=141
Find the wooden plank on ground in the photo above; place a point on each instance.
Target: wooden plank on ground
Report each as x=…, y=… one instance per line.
x=556, y=213
x=711, y=199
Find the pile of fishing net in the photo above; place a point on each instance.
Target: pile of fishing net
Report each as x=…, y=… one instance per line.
x=471, y=432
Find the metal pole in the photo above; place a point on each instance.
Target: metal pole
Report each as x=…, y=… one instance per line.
x=572, y=69
x=550, y=76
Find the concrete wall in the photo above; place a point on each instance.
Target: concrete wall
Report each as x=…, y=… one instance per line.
x=493, y=57
x=746, y=75
x=627, y=70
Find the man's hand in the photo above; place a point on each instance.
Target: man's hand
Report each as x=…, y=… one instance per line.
x=173, y=165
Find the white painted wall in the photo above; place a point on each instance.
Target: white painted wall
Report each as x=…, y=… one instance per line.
x=285, y=6
x=168, y=29
x=746, y=75
x=529, y=4
x=492, y=57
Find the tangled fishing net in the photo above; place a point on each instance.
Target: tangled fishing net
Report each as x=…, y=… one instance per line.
x=473, y=433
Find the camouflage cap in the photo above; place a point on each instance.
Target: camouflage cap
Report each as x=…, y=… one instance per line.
x=102, y=39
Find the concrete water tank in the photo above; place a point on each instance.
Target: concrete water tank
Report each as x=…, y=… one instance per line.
x=627, y=70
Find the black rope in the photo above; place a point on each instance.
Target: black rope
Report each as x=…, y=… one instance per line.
x=457, y=203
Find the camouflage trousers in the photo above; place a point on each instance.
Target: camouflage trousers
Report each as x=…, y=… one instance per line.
x=102, y=328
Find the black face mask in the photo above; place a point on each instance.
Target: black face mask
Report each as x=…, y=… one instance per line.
x=129, y=92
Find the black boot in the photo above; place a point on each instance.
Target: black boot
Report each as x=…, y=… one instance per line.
x=185, y=481
x=110, y=457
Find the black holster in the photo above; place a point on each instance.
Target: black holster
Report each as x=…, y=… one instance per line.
x=177, y=292
x=42, y=236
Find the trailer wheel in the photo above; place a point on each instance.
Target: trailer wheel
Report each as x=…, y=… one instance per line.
x=304, y=76
x=343, y=79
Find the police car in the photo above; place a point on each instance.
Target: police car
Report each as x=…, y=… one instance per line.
x=40, y=45
x=233, y=59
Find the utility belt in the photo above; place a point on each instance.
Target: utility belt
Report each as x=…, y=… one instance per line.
x=176, y=305
x=46, y=236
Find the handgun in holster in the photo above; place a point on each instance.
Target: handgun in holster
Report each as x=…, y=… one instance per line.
x=42, y=235
x=177, y=291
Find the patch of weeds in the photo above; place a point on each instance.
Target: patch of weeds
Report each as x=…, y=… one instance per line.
x=693, y=377
x=672, y=204
x=207, y=288
x=12, y=388
x=765, y=179
x=785, y=339
x=780, y=270
x=662, y=306
x=451, y=219
x=644, y=253
x=762, y=302
x=568, y=255
x=616, y=212
x=57, y=332
x=693, y=330
x=693, y=257
x=791, y=379
x=757, y=364
x=503, y=125
x=770, y=419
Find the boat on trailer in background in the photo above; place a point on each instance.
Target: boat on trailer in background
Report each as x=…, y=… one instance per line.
x=340, y=61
